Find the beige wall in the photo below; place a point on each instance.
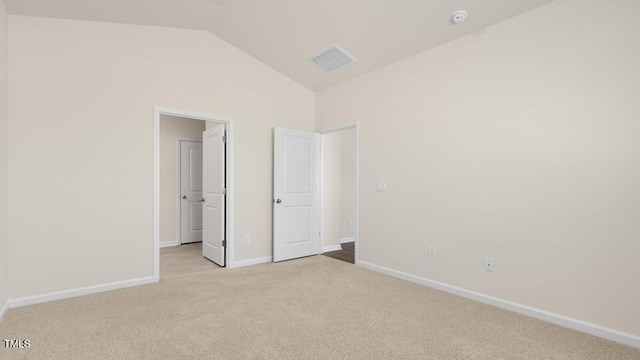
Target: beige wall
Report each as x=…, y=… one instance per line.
x=172, y=129
x=81, y=147
x=347, y=183
x=4, y=241
x=331, y=189
x=519, y=142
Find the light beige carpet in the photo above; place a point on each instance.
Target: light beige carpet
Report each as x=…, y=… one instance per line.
x=184, y=259
x=311, y=308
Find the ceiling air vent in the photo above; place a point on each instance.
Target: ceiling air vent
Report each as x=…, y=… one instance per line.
x=333, y=58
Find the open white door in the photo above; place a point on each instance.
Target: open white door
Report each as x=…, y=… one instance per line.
x=296, y=178
x=213, y=181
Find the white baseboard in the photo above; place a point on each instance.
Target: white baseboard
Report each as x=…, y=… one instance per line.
x=65, y=294
x=331, y=248
x=249, y=262
x=347, y=240
x=4, y=310
x=169, y=243
x=579, y=325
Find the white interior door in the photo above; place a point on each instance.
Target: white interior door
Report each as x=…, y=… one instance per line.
x=190, y=191
x=296, y=210
x=213, y=217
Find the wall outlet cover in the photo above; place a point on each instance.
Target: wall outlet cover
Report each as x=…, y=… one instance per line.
x=489, y=264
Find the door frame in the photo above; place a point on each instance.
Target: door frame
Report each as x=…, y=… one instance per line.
x=351, y=125
x=229, y=219
x=179, y=188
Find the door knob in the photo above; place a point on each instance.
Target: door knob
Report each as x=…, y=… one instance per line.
x=278, y=201
x=184, y=197
x=202, y=200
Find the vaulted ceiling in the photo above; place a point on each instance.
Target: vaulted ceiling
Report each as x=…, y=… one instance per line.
x=284, y=34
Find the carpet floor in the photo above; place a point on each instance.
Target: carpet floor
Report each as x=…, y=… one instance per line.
x=311, y=308
x=184, y=259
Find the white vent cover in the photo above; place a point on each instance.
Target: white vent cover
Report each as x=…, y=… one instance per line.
x=332, y=58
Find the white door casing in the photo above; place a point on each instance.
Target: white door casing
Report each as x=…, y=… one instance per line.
x=213, y=221
x=158, y=111
x=296, y=204
x=190, y=191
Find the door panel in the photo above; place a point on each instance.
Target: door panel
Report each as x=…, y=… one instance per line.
x=195, y=160
x=296, y=194
x=214, y=195
x=301, y=233
x=298, y=154
x=195, y=217
x=190, y=191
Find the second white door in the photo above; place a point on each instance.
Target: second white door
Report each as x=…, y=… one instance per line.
x=190, y=191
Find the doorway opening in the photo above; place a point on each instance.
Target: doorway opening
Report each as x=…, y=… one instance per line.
x=339, y=193
x=304, y=223
x=193, y=192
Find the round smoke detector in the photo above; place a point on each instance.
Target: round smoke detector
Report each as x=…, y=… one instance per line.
x=458, y=16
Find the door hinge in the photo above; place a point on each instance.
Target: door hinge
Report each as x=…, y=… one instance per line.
x=224, y=139
x=224, y=243
x=224, y=191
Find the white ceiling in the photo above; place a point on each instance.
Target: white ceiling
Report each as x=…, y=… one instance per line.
x=285, y=33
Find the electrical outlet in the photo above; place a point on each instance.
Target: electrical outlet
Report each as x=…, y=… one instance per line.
x=431, y=253
x=381, y=186
x=350, y=223
x=247, y=238
x=488, y=264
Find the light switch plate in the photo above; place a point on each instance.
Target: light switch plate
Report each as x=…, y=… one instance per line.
x=382, y=186
x=431, y=253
